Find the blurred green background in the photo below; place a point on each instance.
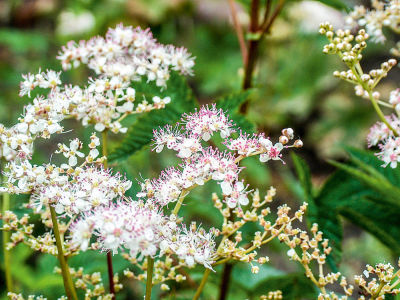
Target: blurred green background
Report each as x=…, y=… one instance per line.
x=294, y=88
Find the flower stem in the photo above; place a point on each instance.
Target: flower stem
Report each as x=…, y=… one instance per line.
x=68, y=284
x=110, y=274
x=6, y=239
x=224, y=286
x=109, y=255
x=202, y=284
x=149, y=281
x=357, y=71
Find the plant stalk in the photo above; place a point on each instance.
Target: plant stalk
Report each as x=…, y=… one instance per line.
x=202, y=284
x=68, y=284
x=109, y=255
x=257, y=29
x=224, y=286
x=149, y=279
x=6, y=239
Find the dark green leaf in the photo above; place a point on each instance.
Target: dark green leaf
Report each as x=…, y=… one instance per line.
x=364, y=193
x=338, y=4
x=231, y=105
x=293, y=286
x=141, y=132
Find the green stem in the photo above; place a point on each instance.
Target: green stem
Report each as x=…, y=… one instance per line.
x=380, y=113
x=357, y=71
x=149, y=280
x=104, y=146
x=179, y=203
x=202, y=284
x=68, y=284
x=6, y=239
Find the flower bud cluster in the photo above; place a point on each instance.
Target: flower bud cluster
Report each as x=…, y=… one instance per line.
x=343, y=43
x=384, y=133
x=14, y=296
x=166, y=268
x=379, y=280
x=307, y=249
x=233, y=247
x=92, y=284
x=273, y=295
x=22, y=232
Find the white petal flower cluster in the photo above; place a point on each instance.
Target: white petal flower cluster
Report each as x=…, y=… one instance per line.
x=389, y=144
x=395, y=100
x=85, y=188
x=383, y=14
x=193, y=246
x=128, y=53
x=126, y=224
x=142, y=230
x=201, y=163
x=209, y=164
x=70, y=189
x=206, y=121
x=248, y=145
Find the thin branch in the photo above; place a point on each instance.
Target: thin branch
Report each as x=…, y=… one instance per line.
x=239, y=31
x=267, y=24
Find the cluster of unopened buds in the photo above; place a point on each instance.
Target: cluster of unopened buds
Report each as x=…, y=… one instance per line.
x=349, y=48
x=273, y=295
x=232, y=245
x=92, y=284
x=307, y=250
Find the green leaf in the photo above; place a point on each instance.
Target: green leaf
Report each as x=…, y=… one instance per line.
x=338, y=4
x=304, y=174
x=292, y=285
x=231, y=104
x=140, y=133
x=364, y=193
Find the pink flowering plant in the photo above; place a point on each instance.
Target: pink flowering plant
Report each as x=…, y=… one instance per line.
x=81, y=204
x=84, y=204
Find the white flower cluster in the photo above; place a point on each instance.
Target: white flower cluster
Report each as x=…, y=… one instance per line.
x=86, y=188
x=143, y=230
x=128, y=53
x=71, y=190
x=124, y=56
x=201, y=164
x=209, y=164
x=125, y=224
x=382, y=14
x=191, y=246
x=389, y=144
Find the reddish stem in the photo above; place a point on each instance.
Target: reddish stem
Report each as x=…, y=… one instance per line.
x=110, y=274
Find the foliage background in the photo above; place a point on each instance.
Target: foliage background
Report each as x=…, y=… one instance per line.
x=294, y=88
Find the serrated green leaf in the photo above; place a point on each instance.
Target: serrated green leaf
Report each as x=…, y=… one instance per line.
x=338, y=4
x=293, y=285
x=304, y=175
x=231, y=104
x=359, y=191
x=389, y=192
x=140, y=133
